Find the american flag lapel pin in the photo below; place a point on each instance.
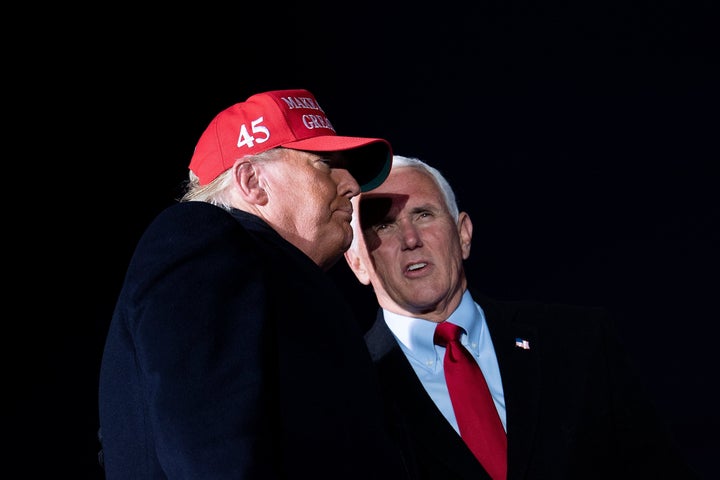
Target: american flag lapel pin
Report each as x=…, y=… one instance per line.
x=522, y=343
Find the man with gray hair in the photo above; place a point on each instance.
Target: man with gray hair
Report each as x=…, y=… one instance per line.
x=562, y=399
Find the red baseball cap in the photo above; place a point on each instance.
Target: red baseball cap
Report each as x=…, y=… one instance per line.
x=285, y=118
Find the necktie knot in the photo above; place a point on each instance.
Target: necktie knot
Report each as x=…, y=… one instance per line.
x=446, y=332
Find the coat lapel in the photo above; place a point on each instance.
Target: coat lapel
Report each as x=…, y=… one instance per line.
x=428, y=430
x=520, y=369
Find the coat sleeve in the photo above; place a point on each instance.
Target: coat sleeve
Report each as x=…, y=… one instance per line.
x=194, y=305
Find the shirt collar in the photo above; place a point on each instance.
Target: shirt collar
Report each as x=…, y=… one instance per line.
x=415, y=335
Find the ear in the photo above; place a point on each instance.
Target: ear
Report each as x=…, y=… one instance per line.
x=246, y=176
x=465, y=230
x=357, y=265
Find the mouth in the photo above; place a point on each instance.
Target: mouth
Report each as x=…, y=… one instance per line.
x=345, y=208
x=345, y=213
x=413, y=267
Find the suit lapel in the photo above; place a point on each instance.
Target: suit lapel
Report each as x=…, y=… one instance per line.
x=520, y=369
x=427, y=427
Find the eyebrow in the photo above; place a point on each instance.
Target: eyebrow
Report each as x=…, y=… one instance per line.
x=425, y=207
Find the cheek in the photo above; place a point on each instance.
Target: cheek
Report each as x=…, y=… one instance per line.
x=320, y=181
x=457, y=253
x=371, y=240
x=382, y=260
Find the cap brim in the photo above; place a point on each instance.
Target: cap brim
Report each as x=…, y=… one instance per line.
x=369, y=159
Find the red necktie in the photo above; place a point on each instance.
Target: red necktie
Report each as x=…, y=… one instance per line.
x=477, y=417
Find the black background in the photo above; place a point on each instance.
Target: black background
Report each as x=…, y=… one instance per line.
x=580, y=136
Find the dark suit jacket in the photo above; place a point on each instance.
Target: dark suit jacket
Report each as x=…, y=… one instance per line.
x=574, y=408
x=231, y=355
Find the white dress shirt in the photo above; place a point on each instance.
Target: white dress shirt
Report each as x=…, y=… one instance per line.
x=415, y=337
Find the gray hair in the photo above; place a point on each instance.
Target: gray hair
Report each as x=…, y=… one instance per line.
x=440, y=180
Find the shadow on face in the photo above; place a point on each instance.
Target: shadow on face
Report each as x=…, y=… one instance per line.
x=377, y=210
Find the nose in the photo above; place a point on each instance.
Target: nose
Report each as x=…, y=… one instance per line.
x=409, y=235
x=347, y=185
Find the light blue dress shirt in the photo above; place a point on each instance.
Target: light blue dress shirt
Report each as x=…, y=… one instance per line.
x=415, y=337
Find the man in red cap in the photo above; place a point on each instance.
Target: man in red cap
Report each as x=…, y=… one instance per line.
x=231, y=353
